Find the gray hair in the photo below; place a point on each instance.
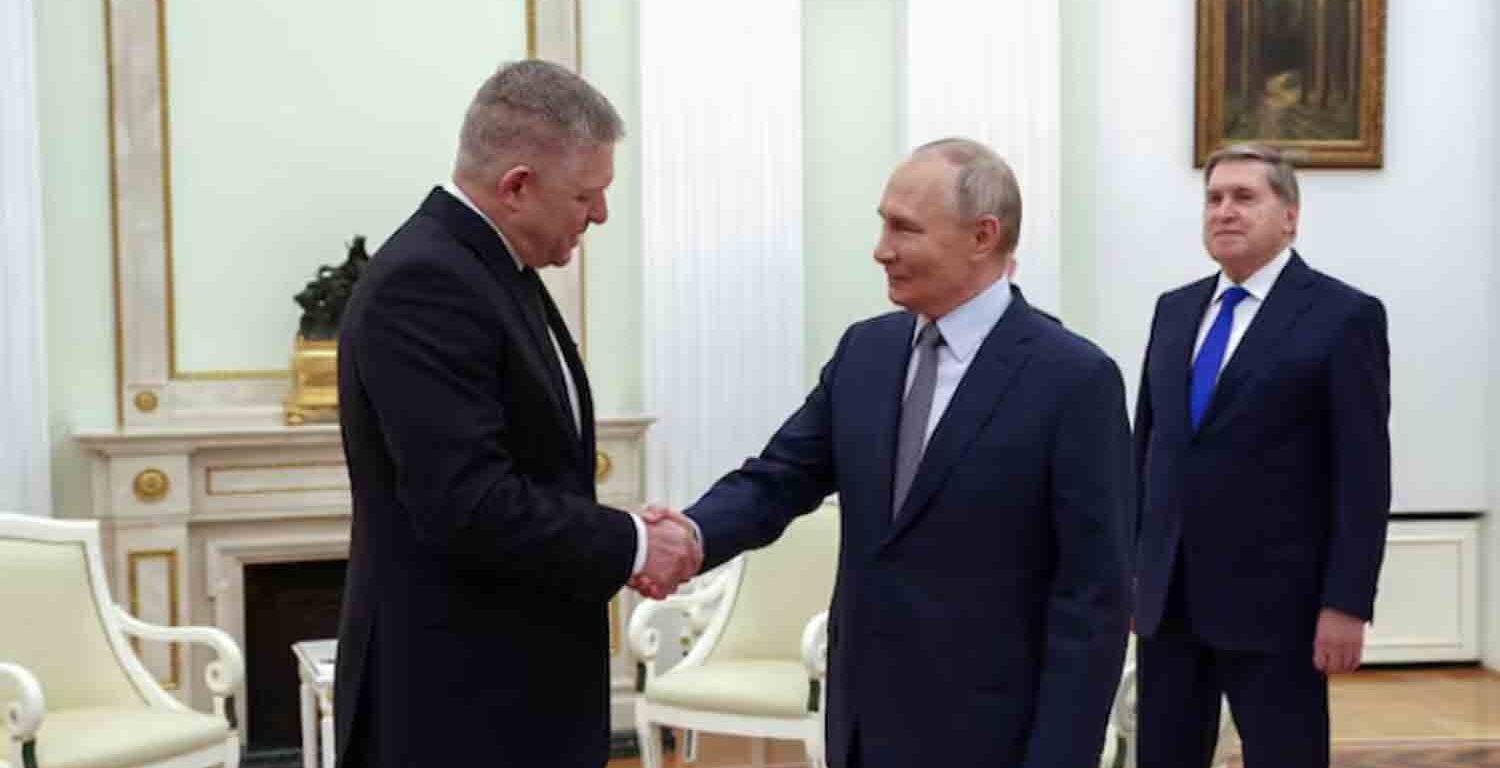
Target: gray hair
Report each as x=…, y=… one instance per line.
x=528, y=110
x=984, y=185
x=1279, y=171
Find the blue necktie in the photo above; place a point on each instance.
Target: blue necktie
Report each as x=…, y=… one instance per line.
x=1211, y=354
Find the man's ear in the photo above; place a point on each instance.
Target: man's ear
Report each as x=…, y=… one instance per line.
x=515, y=184
x=986, y=234
x=1289, y=226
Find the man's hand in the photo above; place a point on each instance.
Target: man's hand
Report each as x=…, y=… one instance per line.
x=1339, y=642
x=673, y=553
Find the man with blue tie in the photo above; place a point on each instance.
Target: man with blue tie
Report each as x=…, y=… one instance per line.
x=981, y=453
x=1264, y=458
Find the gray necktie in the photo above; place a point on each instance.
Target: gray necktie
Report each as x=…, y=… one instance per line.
x=915, y=411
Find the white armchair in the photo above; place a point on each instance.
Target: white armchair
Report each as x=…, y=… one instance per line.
x=757, y=669
x=74, y=693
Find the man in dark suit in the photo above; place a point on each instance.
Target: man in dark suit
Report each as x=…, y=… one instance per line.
x=474, y=619
x=1265, y=465
x=981, y=453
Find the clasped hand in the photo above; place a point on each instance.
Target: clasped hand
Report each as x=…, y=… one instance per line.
x=673, y=553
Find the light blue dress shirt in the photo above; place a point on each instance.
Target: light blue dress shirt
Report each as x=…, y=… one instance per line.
x=963, y=329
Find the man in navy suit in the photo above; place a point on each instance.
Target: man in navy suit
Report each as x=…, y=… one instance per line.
x=981, y=454
x=474, y=620
x=1262, y=447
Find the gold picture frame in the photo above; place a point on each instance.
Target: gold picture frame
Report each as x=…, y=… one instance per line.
x=1307, y=76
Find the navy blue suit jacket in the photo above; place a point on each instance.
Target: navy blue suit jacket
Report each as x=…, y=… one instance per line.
x=986, y=625
x=1278, y=501
x=474, y=626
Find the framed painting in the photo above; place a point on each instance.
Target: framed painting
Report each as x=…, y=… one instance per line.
x=1307, y=76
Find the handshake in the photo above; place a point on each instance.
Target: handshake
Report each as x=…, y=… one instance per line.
x=673, y=553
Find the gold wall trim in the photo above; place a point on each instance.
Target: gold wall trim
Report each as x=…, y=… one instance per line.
x=163, y=116
x=146, y=401
x=132, y=569
x=151, y=485
x=583, y=263
x=208, y=482
x=530, y=29
x=266, y=375
x=114, y=216
x=614, y=626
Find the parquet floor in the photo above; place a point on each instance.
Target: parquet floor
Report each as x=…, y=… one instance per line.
x=1382, y=718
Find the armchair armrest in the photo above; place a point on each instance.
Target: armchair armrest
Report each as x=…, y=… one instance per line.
x=24, y=715
x=815, y=646
x=644, y=640
x=223, y=675
x=815, y=658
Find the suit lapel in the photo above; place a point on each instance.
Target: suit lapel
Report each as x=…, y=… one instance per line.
x=1286, y=301
x=887, y=386
x=1181, y=328
x=995, y=365
x=585, y=443
x=481, y=238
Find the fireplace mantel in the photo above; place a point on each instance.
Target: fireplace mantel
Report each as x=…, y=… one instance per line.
x=184, y=510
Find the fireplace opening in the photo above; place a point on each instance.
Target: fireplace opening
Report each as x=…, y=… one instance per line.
x=285, y=603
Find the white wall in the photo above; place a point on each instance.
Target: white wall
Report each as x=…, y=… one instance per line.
x=1489, y=560
x=851, y=121
x=1417, y=233
x=1078, y=104
x=72, y=114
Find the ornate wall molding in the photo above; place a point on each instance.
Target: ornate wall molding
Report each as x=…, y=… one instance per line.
x=239, y=496
x=152, y=389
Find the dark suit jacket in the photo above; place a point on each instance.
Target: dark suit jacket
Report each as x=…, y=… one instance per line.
x=1279, y=500
x=474, y=619
x=986, y=625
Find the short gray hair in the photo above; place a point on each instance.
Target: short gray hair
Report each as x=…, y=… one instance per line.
x=1279, y=171
x=983, y=185
x=528, y=110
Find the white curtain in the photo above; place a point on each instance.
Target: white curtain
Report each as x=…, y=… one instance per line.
x=721, y=176
x=993, y=77
x=24, y=480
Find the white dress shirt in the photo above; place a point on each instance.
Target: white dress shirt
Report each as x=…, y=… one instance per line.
x=640, y=526
x=963, y=330
x=1258, y=286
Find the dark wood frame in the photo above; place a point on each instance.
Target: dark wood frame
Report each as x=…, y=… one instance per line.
x=1365, y=151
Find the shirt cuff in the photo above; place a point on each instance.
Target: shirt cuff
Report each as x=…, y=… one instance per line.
x=640, y=545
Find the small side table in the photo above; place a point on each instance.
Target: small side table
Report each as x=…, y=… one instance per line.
x=315, y=662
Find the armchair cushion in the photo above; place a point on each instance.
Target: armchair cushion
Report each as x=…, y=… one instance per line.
x=107, y=737
x=741, y=687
